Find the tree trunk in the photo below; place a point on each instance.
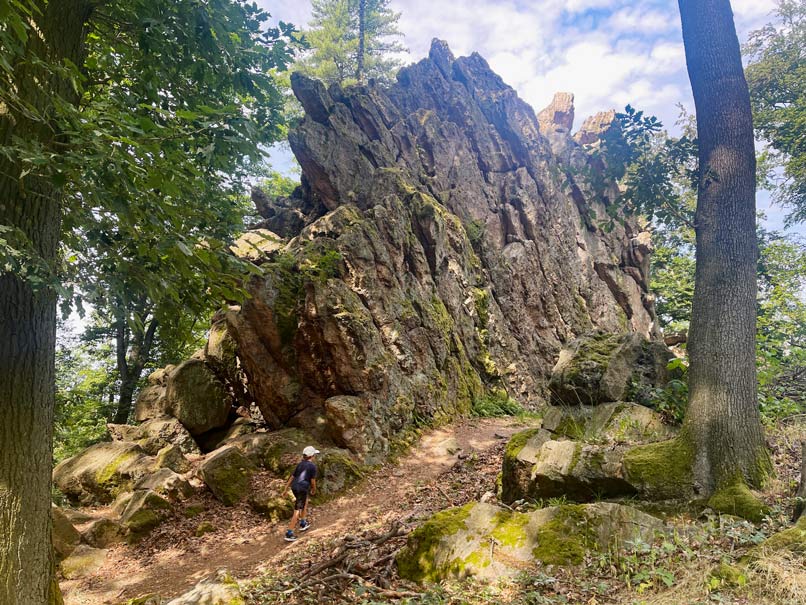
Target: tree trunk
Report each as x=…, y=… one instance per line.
x=28, y=325
x=362, y=27
x=130, y=367
x=723, y=419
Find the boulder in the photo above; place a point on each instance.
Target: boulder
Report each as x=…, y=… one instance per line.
x=196, y=397
x=228, y=473
x=101, y=472
x=171, y=457
x=155, y=434
x=578, y=472
x=489, y=542
x=144, y=511
x=150, y=402
x=603, y=367
x=351, y=426
x=103, y=533
x=65, y=536
x=276, y=451
x=269, y=503
x=218, y=589
x=84, y=561
x=520, y=456
x=616, y=422
x=166, y=483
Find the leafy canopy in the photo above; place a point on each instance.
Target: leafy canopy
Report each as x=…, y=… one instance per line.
x=776, y=76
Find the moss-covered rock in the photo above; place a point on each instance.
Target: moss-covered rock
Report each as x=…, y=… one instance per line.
x=144, y=511
x=101, y=472
x=725, y=575
x=228, y=473
x=84, y=561
x=520, y=456
x=601, y=367
x=792, y=539
x=148, y=599
x=737, y=499
x=166, y=483
x=196, y=397
x=661, y=471
x=171, y=457
x=488, y=542
x=337, y=472
x=615, y=422
x=271, y=505
x=103, y=533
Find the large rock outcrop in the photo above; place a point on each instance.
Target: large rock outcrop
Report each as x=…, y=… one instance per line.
x=438, y=247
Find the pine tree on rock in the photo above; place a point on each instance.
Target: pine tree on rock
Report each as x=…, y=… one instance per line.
x=352, y=41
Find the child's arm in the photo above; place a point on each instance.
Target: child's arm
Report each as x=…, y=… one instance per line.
x=313, y=486
x=287, y=485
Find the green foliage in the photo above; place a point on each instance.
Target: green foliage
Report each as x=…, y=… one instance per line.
x=776, y=76
x=85, y=386
x=494, y=404
x=334, y=39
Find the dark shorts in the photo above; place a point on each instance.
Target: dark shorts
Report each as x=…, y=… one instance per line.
x=301, y=496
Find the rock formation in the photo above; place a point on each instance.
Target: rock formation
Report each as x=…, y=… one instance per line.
x=439, y=248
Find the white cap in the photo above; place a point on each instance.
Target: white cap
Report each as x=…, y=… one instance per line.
x=310, y=451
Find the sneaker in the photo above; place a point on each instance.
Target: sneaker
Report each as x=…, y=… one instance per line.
x=303, y=525
x=289, y=536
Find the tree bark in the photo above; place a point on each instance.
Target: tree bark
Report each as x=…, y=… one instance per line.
x=28, y=322
x=722, y=421
x=130, y=367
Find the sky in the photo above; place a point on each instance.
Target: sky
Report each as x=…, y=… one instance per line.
x=607, y=52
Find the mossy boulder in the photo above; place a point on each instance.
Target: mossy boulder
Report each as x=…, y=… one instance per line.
x=171, y=457
x=196, y=397
x=272, y=505
x=338, y=471
x=167, y=484
x=228, y=473
x=150, y=402
x=101, y=472
x=488, y=542
x=148, y=599
x=602, y=367
x=661, y=471
x=520, y=456
x=615, y=422
x=218, y=589
x=217, y=438
x=84, y=561
x=144, y=511
x=103, y=533
x=578, y=471
x=65, y=537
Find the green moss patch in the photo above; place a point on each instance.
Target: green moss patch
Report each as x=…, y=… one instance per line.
x=517, y=442
x=565, y=539
x=661, y=470
x=417, y=561
x=738, y=500
x=510, y=528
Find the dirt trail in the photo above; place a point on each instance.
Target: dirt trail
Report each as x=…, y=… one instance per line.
x=245, y=544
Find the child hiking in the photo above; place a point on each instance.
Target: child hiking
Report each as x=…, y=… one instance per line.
x=303, y=484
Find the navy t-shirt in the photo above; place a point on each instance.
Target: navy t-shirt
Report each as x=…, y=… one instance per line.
x=305, y=471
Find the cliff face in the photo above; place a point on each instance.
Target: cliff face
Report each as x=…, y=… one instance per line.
x=444, y=244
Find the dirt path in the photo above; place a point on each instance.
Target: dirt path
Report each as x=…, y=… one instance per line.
x=245, y=544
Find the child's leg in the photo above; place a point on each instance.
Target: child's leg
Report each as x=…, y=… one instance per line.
x=304, y=514
x=294, y=521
